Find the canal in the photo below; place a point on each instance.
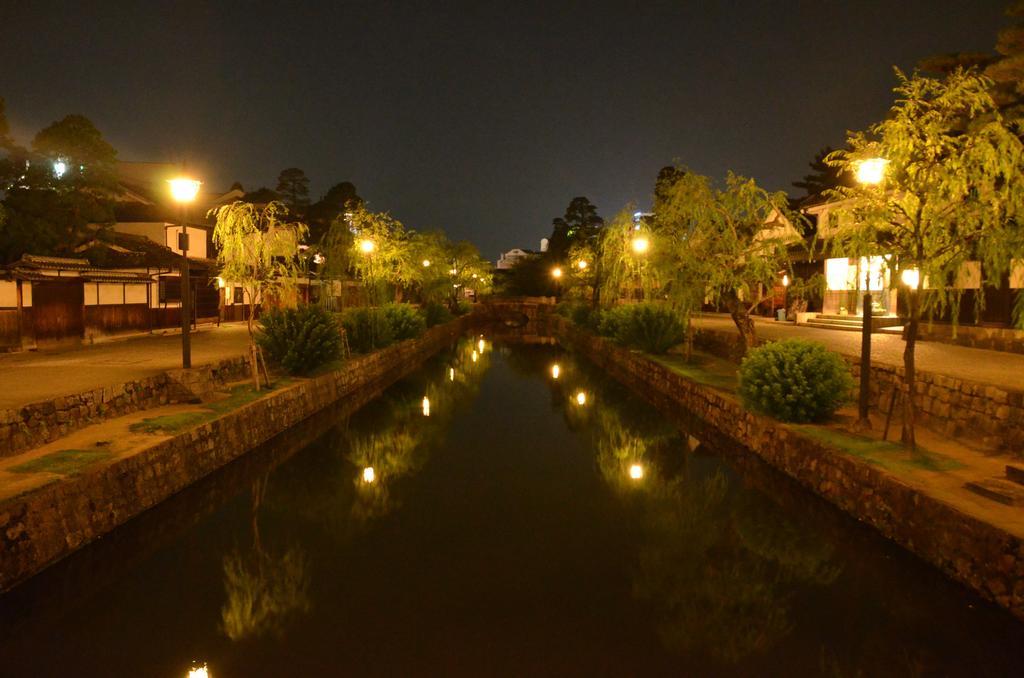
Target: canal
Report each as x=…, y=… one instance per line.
x=506, y=510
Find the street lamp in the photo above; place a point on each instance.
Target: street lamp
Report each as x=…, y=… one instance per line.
x=640, y=244
x=426, y=263
x=911, y=277
x=871, y=171
x=367, y=246
x=184, y=191
x=556, y=272
x=581, y=264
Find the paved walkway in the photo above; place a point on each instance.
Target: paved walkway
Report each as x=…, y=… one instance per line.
x=32, y=376
x=996, y=368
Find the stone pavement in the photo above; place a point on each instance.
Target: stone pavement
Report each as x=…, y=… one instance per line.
x=1005, y=370
x=32, y=376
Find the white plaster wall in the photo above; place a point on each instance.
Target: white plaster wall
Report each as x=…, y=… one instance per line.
x=135, y=294
x=91, y=293
x=8, y=294
x=111, y=293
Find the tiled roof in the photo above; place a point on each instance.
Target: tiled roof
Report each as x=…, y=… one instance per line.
x=63, y=263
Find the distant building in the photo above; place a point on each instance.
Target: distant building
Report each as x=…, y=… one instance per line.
x=509, y=259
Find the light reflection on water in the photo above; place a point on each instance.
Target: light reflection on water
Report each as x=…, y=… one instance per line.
x=517, y=529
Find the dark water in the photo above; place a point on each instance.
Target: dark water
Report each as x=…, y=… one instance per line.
x=504, y=534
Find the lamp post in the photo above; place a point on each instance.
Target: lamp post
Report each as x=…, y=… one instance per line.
x=870, y=172
x=184, y=191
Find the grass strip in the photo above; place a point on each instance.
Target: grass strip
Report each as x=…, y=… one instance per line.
x=62, y=462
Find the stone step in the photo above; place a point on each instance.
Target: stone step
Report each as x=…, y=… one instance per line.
x=997, y=489
x=1015, y=474
x=848, y=326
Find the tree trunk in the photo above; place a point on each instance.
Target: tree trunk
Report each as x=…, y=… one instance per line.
x=909, y=378
x=252, y=344
x=745, y=325
x=863, y=421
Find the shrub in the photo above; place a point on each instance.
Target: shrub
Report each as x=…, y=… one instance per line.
x=652, y=328
x=436, y=314
x=300, y=339
x=462, y=307
x=367, y=329
x=405, y=321
x=794, y=380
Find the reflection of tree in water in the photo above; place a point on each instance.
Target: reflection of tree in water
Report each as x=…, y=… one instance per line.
x=718, y=569
x=391, y=454
x=264, y=587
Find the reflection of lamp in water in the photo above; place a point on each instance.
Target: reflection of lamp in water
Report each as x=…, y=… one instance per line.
x=636, y=472
x=199, y=672
x=426, y=406
x=451, y=374
x=581, y=398
x=480, y=345
x=369, y=475
x=474, y=356
x=556, y=370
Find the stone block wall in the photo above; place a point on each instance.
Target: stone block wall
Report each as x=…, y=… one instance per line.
x=984, y=557
x=40, y=527
x=39, y=423
x=959, y=408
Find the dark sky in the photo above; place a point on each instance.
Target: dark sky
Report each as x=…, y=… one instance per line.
x=480, y=118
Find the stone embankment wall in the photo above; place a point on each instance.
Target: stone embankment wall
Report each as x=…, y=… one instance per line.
x=959, y=408
x=994, y=338
x=39, y=423
x=47, y=524
x=982, y=556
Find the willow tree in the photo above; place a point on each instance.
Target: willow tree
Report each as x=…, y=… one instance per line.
x=257, y=250
x=379, y=252
x=729, y=245
x=952, y=194
x=625, y=253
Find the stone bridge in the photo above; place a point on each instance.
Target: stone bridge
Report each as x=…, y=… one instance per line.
x=516, y=315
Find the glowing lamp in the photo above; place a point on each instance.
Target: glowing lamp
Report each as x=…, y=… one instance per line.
x=581, y=398
x=199, y=672
x=367, y=246
x=636, y=472
x=426, y=263
x=785, y=280
x=474, y=356
x=911, y=277
x=369, y=475
x=451, y=374
x=581, y=264
x=60, y=168
x=184, y=190
x=556, y=273
x=480, y=345
x=426, y=406
x=556, y=370
x=871, y=172
x=640, y=244
x=220, y=282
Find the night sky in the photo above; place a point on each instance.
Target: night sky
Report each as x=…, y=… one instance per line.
x=480, y=118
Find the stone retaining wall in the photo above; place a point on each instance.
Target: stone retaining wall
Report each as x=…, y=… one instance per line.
x=39, y=423
x=959, y=408
x=985, y=558
x=47, y=524
x=993, y=338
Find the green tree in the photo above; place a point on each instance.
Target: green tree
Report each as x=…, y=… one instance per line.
x=823, y=176
x=258, y=249
x=581, y=223
x=293, y=186
x=339, y=198
x=952, y=193
x=50, y=211
x=727, y=245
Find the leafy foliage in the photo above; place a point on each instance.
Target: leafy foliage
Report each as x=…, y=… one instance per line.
x=794, y=380
x=293, y=186
x=367, y=329
x=405, y=321
x=652, y=328
x=300, y=339
x=436, y=314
